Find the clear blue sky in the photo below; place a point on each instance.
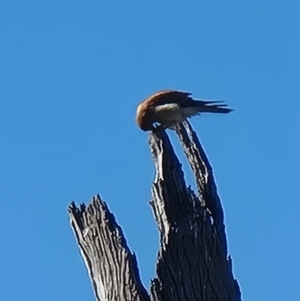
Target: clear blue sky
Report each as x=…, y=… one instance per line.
x=72, y=73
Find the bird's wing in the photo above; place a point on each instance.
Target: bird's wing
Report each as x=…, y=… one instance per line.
x=168, y=97
x=183, y=99
x=173, y=99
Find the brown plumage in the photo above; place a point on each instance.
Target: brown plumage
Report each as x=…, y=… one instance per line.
x=170, y=107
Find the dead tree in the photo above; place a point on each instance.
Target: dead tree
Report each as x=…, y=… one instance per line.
x=193, y=262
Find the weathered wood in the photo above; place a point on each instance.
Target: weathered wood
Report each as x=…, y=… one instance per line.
x=112, y=267
x=193, y=263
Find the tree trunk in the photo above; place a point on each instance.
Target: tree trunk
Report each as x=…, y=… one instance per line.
x=193, y=263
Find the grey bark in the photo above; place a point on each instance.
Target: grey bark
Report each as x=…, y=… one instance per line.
x=193, y=262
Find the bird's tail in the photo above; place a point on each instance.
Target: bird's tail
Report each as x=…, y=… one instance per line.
x=196, y=107
x=210, y=106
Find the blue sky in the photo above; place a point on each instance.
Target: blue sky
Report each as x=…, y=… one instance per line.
x=72, y=73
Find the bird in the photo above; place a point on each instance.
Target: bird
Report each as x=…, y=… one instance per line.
x=171, y=107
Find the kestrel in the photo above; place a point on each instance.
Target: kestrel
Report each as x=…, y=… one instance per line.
x=171, y=107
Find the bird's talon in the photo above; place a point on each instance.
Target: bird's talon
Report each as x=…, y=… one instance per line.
x=157, y=128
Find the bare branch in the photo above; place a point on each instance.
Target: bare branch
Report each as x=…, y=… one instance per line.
x=112, y=267
x=192, y=261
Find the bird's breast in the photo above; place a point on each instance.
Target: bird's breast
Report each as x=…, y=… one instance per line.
x=168, y=113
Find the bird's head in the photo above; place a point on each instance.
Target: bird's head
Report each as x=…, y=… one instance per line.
x=144, y=117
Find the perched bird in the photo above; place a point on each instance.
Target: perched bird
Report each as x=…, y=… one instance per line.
x=171, y=107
